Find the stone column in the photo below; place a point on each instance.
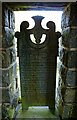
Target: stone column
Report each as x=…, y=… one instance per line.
x=8, y=86
x=68, y=63
x=0, y=58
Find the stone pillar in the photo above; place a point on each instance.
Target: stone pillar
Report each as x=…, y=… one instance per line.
x=8, y=86
x=68, y=63
x=0, y=58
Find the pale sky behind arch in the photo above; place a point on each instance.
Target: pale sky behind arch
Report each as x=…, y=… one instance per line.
x=54, y=16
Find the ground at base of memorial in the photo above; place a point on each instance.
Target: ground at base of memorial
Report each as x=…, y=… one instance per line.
x=37, y=112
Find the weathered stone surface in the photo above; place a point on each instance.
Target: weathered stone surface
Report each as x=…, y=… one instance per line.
x=5, y=95
x=8, y=57
x=14, y=100
x=8, y=18
x=0, y=96
x=38, y=64
x=62, y=73
x=8, y=93
x=5, y=17
x=69, y=111
x=58, y=94
x=8, y=37
x=0, y=111
x=9, y=69
x=12, y=24
x=69, y=17
x=0, y=59
x=59, y=82
x=12, y=54
x=71, y=78
x=58, y=97
x=7, y=112
x=60, y=107
x=69, y=38
x=65, y=21
x=73, y=15
x=8, y=76
x=5, y=79
x=70, y=95
x=61, y=53
x=71, y=58
x=12, y=90
x=68, y=77
x=68, y=58
x=12, y=73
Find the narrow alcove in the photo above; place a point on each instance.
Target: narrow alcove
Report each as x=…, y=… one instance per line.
x=54, y=16
x=65, y=104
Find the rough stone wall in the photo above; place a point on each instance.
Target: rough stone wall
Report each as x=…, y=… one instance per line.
x=0, y=57
x=8, y=85
x=67, y=87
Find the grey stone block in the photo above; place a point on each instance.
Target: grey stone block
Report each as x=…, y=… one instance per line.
x=66, y=18
x=8, y=93
x=12, y=20
x=73, y=15
x=5, y=21
x=69, y=78
x=8, y=76
x=69, y=111
x=62, y=72
x=0, y=96
x=69, y=17
x=12, y=90
x=12, y=54
x=5, y=78
x=5, y=95
x=7, y=112
x=69, y=38
x=68, y=58
x=61, y=53
x=0, y=59
x=8, y=37
x=8, y=57
x=15, y=98
x=70, y=95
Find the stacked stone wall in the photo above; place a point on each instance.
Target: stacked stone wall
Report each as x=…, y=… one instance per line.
x=9, y=73
x=68, y=63
x=0, y=58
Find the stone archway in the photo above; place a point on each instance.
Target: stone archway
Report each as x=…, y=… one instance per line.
x=68, y=68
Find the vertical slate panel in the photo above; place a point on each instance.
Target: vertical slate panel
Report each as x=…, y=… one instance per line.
x=37, y=64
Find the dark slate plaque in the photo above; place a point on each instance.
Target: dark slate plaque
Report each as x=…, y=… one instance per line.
x=37, y=63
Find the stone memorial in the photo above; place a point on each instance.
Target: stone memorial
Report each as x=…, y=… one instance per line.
x=37, y=62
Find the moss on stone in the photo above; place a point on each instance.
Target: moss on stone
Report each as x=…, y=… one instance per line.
x=60, y=107
x=7, y=112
